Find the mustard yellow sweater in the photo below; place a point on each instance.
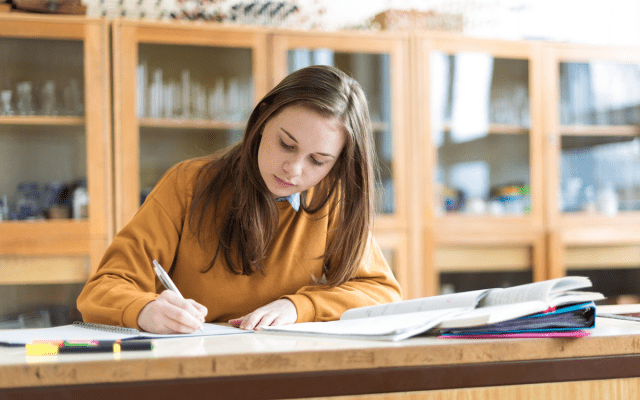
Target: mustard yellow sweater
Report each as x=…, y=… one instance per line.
x=125, y=282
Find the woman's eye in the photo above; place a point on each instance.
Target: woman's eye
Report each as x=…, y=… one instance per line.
x=284, y=145
x=316, y=162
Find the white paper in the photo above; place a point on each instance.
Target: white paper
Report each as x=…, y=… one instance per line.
x=76, y=332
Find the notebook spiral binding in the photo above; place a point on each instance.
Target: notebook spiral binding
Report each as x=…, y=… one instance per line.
x=106, y=328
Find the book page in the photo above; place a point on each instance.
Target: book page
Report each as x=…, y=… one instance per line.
x=389, y=327
x=543, y=291
x=441, y=302
x=493, y=314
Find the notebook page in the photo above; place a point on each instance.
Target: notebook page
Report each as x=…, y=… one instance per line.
x=66, y=332
x=80, y=332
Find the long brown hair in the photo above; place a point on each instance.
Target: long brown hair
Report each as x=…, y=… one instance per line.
x=249, y=223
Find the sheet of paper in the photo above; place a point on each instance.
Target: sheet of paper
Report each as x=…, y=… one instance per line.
x=75, y=332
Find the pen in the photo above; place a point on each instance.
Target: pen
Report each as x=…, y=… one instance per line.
x=616, y=316
x=166, y=280
x=52, y=348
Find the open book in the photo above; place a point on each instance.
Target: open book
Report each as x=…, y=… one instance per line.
x=452, y=312
x=98, y=332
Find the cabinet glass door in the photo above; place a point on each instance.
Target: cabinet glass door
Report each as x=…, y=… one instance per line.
x=594, y=166
x=480, y=123
x=191, y=101
x=42, y=129
x=186, y=91
x=599, y=154
x=55, y=164
x=480, y=130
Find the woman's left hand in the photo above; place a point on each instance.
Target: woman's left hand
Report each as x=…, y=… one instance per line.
x=279, y=312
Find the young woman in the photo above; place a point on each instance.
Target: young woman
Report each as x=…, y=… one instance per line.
x=276, y=230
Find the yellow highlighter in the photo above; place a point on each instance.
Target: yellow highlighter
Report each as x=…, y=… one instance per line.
x=53, y=348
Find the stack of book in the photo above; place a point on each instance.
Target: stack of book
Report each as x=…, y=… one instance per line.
x=552, y=308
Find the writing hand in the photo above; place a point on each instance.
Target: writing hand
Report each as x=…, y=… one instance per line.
x=170, y=313
x=279, y=312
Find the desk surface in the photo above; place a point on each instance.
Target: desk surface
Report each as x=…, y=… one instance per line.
x=263, y=356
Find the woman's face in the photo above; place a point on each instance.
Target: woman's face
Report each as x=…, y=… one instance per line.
x=298, y=149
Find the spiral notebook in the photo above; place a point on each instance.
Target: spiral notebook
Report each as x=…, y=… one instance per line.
x=89, y=331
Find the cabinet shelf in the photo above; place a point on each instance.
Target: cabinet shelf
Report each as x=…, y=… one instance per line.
x=189, y=123
x=41, y=120
x=599, y=130
x=501, y=129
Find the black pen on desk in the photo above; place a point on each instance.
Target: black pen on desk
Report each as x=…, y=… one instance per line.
x=41, y=348
x=166, y=280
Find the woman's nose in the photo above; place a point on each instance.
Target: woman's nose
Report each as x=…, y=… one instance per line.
x=293, y=167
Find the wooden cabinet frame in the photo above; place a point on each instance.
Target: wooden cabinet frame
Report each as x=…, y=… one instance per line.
x=581, y=229
x=57, y=240
x=439, y=230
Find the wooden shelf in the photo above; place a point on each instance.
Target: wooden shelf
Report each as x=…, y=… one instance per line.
x=41, y=120
x=600, y=130
x=500, y=129
x=189, y=123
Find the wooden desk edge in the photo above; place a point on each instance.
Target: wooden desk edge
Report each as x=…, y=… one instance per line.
x=443, y=356
x=350, y=382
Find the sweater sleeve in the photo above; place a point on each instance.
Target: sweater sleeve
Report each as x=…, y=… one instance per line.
x=373, y=283
x=125, y=282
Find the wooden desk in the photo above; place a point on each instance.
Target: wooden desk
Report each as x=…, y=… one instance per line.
x=260, y=365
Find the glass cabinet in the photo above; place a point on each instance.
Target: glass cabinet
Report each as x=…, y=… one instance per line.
x=479, y=128
x=379, y=63
x=593, y=145
x=593, y=154
x=181, y=91
x=55, y=158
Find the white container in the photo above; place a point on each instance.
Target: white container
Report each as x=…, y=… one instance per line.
x=80, y=203
x=608, y=201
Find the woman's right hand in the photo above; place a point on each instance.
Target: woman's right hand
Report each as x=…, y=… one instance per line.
x=170, y=313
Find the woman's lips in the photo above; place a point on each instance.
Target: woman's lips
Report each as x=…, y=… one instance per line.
x=283, y=183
